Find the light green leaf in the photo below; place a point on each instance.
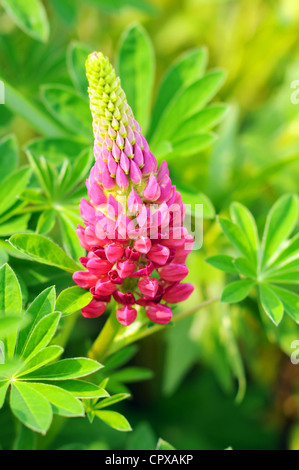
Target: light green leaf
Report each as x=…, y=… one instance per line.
x=112, y=400
x=186, y=104
x=186, y=70
x=30, y=407
x=245, y=267
x=114, y=420
x=236, y=236
x=76, y=57
x=244, y=219
x=132, y=374
x=66, y=369
x=9, y=325
x=72, y=300
x=41, y=335
x=43, y=357
x=9, y=152
x=18, y=224
x=192, y=145
x=237, y=291
x=12, y=186
x=32, y=114
x=69, y=108
x=136, y=66
x=290, y=250
x=271, y=303
x=163, y=445
x=31, y=17
x=289, y=300
x=280, y=224
x=82, y=389
x=69, y=237
x=3, y=390
x=10, y=302
x=43, y=250
x=40, y=307
x=63, y=403
x=46, y=222
x=201, y=122
x=194, y=199
x=223, y=262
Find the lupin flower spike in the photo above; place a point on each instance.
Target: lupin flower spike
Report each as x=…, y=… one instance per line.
x=133, y=232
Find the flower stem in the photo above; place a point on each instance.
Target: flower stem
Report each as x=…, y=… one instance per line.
x=105, y=345
x=103, y=342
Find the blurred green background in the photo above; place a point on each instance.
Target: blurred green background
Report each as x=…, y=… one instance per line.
x=197, y=399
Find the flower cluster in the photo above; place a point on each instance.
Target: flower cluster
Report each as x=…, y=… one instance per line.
x=134, y=235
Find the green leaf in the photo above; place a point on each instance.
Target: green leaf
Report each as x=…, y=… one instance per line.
x=69, y=237
x=163, y=445
x=9, y=152
x=3, y=390
x=69, y=108
x=244, y=219
x=280, y=223
x=290, y=250
x=237, y=291
x=43, y=250
x=46, y=222
x=82, y=389
x=72, y=300
x=192, y=145
x=9, y=325
x=112, y=400
x=40, y=307
x=201, y=122
x=193, y=199
x=289, y=300
x=245, y=267
x=18, y=224
x=223, y=262
x=235, y=236
x=186, y=104
x=114, y=420
x=136, y=67
x=132, y=374
x=12, y=186
x=271, y=303
x=185, y=71
x=55, y=150
x=76, y=57
x=32, y=114
x=31, y=17
x=66, y=369
x=10, y=302
x=41, y=335
x=63, y=403
x=30, y=407
x=43, y=357
x=26, y=439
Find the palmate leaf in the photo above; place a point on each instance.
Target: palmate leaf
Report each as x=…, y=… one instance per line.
x=9, y=156
x=69, y=109
x=46, y=222
x=30, y=16
x=10, y=303
x=40, y=359
x=136, y=66
x=55, y=150
x=273, y=265
x=43, y=250
x=12, y=186
x=41, y=335
x=114, y=420
x=72, y=300
x=186, y=70
x=65, y=370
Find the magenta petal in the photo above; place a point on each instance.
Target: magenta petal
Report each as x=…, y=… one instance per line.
x=160, y=314
x=94, y=310
x=126, y=315
x=178, y=293
x=121, y=179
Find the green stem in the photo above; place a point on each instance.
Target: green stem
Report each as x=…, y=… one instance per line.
x=105, y=345
x=103, y=342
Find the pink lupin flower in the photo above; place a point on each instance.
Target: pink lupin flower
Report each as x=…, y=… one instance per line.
x=136, y=253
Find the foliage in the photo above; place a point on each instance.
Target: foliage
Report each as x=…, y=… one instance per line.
x=242, y=344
